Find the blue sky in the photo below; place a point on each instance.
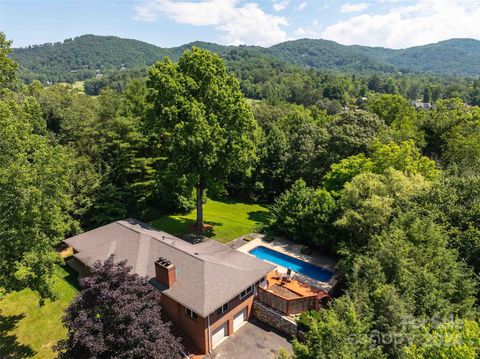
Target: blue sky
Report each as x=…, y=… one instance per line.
x=167, y=23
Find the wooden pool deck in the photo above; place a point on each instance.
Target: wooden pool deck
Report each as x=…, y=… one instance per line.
x=298, y=288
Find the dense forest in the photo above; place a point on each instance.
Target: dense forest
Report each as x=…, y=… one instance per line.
x=109, y=62
x=86, y=56
x=346, y=162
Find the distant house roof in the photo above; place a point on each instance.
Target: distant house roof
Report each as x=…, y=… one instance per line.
x=209, y=273
x=424, y=105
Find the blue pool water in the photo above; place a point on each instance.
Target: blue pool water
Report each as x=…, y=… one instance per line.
x=296, y=265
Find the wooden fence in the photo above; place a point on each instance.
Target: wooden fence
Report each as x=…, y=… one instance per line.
x=285, y=305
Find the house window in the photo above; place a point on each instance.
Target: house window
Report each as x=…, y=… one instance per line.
x=246, y=292
x=258, y=282
x=261, y=282
x=222, y=309
x=191, y=313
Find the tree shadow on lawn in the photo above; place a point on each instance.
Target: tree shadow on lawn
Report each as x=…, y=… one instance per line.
x=208, y=228
x=9, y=345
x=235, y=200
x=182, y=225
x=173, y=225
x=72, y=276
x=193, y=232
x=260, y=217
x=226, y=200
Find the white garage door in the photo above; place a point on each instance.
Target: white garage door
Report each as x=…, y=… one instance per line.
x=239, y=319
x=219, y=335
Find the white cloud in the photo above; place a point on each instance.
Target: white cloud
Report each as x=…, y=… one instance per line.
x=279, y=6
x=354, y=7
x=300, y=32
x=312, y=31
x=426, y=21
x=239, y=22
x=393, y=23
x=302, y=6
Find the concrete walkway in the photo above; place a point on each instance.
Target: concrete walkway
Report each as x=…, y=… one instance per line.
x=254, y=340
x=241, y=241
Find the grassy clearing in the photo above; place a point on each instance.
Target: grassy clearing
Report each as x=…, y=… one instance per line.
x=78, y=86
x=229, y=220
x=30, y=330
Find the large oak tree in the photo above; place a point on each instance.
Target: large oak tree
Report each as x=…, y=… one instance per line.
x=203, y=124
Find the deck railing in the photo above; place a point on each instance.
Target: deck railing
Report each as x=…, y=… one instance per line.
x=286, y=305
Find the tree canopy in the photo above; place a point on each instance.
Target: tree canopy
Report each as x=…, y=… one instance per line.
x=8, y=67
x=35, y=198
x=202, y=121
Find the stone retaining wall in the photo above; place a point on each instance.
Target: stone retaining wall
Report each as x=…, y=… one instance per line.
x=274, y=318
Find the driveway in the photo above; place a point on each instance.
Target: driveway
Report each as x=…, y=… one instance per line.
x=254, y=340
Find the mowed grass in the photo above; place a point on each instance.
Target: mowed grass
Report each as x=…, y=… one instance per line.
x=79, y=86
x=29, y=330
x=229, y=220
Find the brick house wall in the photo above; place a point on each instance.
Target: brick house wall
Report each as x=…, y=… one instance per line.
x=235, y=306
x=198, y=329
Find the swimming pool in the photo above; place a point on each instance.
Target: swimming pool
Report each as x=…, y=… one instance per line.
x=296, y=265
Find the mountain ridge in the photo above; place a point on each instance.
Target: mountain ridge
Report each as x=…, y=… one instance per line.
x=84, y=56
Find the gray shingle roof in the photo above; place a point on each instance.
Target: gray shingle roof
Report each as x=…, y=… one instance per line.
x=209, y=273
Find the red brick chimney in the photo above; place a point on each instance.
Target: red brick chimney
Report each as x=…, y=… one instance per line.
x=165, y=272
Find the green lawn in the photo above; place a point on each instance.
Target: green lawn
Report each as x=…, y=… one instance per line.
x=30, y=330
x=229, y=219
x=77, y=86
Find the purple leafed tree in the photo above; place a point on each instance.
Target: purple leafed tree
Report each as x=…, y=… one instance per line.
x=117, y=314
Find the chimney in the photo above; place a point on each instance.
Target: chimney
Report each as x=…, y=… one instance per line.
x=165, y=272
